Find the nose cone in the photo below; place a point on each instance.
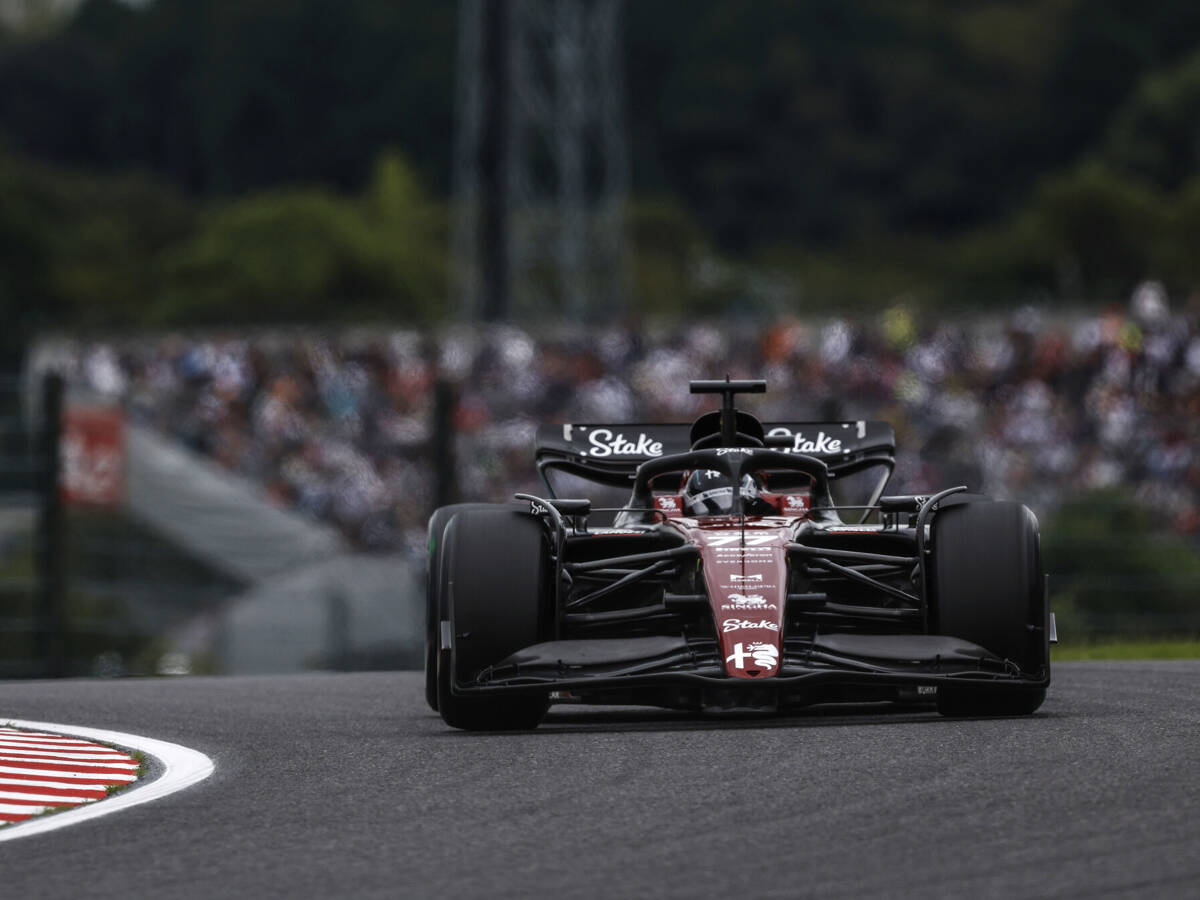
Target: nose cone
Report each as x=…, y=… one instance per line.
x=745, y=572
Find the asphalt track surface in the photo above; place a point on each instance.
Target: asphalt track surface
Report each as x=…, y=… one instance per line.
x=346, y=785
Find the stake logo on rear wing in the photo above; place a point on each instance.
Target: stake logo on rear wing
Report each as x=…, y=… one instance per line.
x=609, y=454
x=637, y=442
x=602, y=442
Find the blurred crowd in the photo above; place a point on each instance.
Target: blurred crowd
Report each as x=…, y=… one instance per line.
x=1028, y=405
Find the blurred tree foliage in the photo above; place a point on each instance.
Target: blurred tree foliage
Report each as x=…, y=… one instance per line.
x=1155, y=135
x=103, y=251
x=226, y=96
x=831, y=119
x=860, y=149
x=312, y=254
x=1106, y=546
x=81, y=247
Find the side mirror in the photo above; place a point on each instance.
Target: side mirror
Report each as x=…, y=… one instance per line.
x=909, y=504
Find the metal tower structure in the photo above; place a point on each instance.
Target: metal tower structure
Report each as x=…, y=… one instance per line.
x=541, y=165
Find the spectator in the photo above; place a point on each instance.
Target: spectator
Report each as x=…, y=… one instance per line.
x=339, y=427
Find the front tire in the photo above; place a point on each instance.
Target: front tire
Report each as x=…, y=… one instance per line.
x=989, y=588
x=435, y=599
x=500, y=600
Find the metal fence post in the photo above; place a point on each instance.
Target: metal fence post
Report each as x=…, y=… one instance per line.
x=337, y=632
x=50, y=633
x=445, y=482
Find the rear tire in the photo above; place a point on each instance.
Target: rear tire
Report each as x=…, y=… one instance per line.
x=499, y=601
x=988, y=588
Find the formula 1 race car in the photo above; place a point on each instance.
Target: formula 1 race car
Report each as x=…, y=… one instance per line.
x=730, y=574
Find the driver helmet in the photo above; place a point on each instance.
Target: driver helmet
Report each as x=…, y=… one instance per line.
x=710, y=493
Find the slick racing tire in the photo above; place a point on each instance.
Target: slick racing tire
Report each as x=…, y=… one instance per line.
x=435, y=595
x=988, y=587
x=499, y=600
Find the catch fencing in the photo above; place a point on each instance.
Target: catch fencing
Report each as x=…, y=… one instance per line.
x=32, y=610
x=101, y=573
x=85, y=589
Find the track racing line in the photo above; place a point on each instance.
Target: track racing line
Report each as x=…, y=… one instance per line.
x=331, y=785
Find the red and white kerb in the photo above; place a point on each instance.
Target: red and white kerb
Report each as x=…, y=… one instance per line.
x=41, y=771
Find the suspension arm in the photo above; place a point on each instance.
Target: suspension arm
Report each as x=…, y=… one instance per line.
x=631, y=578
x=853, y=575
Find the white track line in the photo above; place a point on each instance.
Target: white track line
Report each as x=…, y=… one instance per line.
x=6, y=741
x=109, y=759
x=64, y=785
x=7, y=797
x=182, y=767
x=21, y=770
x=18, y=809
x=48, y=750
x=9, y=741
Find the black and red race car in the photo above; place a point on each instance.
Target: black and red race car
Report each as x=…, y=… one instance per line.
x=722, y=567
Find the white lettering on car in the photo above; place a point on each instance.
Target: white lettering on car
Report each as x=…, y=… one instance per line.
x=752, y=540
x=765, y=656
x=739, y=555
x=736, y=577
x=735, y=624
x=823, y=444
x=604, y=443
x=752, y=599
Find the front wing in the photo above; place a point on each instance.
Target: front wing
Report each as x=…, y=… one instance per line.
x=676, y=673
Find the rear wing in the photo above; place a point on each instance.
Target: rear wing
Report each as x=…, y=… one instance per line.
x=610, y=454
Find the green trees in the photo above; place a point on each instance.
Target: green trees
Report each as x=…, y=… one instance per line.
x=78, y=249
x=858, y=148
x=940, y=150
x=1106, y=547
x=228, y=96
x=309, y=253
x=1155, y=135
x=84, y=250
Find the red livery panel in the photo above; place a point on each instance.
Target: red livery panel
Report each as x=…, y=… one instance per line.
x=745, y=570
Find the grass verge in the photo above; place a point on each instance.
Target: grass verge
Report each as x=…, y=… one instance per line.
x=1127, y=649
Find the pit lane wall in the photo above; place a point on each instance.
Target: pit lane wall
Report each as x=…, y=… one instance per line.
x=308, y=601
x=219, y=517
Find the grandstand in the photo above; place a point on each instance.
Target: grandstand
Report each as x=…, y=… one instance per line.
x=273, y=461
